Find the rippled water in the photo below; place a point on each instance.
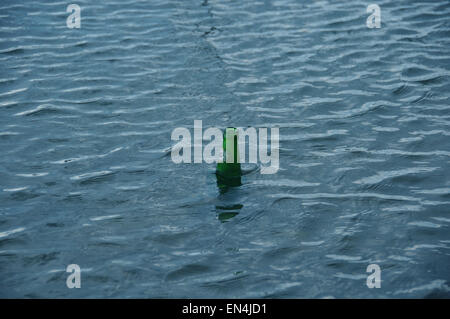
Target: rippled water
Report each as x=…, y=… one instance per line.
x=86, y=176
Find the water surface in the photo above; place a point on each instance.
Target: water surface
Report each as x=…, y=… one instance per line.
x=86, y=175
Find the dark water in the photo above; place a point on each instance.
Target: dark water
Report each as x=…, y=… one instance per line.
x=86, y=175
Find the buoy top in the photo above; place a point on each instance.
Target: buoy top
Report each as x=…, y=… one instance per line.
x=230, y=138
x=231, y=167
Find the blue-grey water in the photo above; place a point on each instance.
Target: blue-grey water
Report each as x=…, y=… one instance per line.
x=86, y=175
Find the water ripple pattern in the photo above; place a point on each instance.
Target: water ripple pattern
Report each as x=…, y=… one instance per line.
x=86, y=177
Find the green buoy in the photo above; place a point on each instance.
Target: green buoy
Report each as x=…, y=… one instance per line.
x=229, y=171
